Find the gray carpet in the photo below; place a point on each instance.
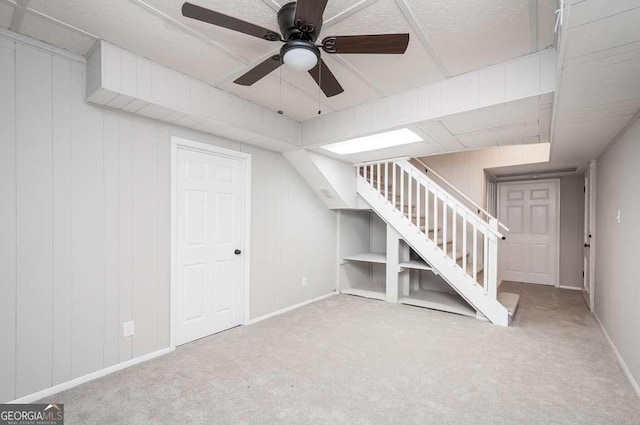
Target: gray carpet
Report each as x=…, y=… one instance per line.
x=349, y=360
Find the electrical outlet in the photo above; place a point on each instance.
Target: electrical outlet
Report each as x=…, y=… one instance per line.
x=127, y=329
x=305, y=281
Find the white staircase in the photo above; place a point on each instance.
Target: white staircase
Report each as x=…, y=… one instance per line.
x=458, y=243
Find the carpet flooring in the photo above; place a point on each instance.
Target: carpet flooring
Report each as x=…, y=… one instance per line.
x=350, y=360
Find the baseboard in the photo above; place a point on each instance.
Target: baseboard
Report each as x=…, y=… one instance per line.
x=90, y=377
x=573, y=288
x=293, y=307
x=625, y=369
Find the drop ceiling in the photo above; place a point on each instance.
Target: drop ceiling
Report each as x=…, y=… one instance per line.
x=599, y=90
x=447, y=38
x=598, y=93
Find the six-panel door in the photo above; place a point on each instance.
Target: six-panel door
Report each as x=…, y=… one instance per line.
x=530, y=211
x=209, y=220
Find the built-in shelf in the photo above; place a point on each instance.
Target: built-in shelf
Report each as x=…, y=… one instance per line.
x=438, y=300
x=415, y=264
x=367, y=293
x=367, y=257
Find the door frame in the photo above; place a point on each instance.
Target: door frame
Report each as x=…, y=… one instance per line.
x=590, y=172
x=245, y=158
x=557, y=241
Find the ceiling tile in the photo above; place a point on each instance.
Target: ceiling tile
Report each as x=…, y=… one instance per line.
x=584, y=12
x=334, y=7
x=133, y=28
x=6, y=12
x=469, y=35
x=254, y=11
x=500, y=115
x=389, y=73
x=605, y=33
x=546, y=23
x=40, y=28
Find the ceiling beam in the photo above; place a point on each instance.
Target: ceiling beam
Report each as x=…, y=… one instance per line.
x=533, y=26
x=525, y=77
x=18, y=15
x=417, y=28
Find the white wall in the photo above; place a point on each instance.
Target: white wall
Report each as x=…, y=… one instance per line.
x=465, y=170
x=571, y=230
x=85, y=227
x=617, y=293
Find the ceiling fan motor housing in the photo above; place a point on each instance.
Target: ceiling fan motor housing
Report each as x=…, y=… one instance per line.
x=292, y=30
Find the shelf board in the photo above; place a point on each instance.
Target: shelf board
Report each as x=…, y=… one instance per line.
x=367, y=257
x=437, y=300
x=366, y=293
x=415, y=264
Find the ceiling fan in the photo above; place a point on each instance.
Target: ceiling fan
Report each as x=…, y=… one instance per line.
x=300, y=24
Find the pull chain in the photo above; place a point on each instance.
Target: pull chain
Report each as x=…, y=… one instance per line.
x=319, y=85
x=280, y=108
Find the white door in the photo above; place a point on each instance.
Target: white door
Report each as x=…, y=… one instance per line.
x=530, y=211
x=208, y=294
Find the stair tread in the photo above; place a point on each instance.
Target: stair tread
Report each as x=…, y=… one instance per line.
x=510, y=301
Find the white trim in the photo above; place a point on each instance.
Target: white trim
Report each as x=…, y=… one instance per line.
x=287, y=309
x=573, y=288
x=623, y=365
x=90, y=377
x=179, y=142
x=558, y=187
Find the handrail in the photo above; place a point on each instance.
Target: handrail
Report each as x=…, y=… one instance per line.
x=475, y=215
x=382, y=161
x=462, y=195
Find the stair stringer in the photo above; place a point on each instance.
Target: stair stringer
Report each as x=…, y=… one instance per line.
x=470, y=290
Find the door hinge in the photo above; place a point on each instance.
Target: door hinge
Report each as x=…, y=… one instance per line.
x=582, y=274
x=584, y=189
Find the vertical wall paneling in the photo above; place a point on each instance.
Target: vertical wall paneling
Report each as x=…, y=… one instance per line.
x=110, y=163
x=164, y=236
x=85, y=225
x=7, y=225
x=87, y=232
x=125, y=230
x=34, y=223
x=62, y=200
x=145, y=237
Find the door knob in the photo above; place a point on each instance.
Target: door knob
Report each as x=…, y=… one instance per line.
x=237, y=252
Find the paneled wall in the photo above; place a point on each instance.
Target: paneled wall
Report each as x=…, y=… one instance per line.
x=617, y=292
x=85, y=227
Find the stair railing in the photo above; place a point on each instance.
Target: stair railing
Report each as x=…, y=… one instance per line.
x=443, y=218
x=480, y=210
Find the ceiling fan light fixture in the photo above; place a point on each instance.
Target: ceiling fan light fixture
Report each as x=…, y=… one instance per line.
x=300, y=55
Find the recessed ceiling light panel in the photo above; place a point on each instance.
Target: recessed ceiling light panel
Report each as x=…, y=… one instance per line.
x=389, y=139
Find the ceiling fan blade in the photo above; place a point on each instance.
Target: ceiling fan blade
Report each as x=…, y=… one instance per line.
x=206, y=15
x=325, y=79
x=259, y=71
x=309, y=14
x=379, y=43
